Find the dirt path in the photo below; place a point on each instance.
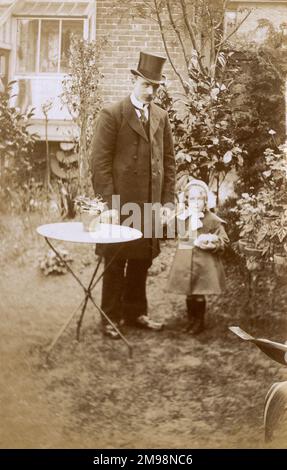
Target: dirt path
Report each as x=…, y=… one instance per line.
x=177, y=391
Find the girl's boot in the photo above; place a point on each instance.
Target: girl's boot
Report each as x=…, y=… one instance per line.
x=199, y=306
x=190, y=304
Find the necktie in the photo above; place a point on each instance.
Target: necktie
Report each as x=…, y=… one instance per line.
x=143, y=117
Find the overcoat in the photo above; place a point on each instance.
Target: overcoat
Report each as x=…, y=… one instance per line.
x=196, y=271
x=138, y=168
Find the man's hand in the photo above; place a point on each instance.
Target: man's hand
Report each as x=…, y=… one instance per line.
x=110, y=217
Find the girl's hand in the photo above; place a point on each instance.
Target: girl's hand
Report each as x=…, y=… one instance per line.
x=206, y=246
x=206, y=241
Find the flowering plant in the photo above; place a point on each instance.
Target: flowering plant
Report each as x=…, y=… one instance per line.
x=94, y=206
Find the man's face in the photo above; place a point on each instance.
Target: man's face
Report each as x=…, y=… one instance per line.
x=143, y=90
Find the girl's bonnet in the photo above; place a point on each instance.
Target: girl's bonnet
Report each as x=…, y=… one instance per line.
x=210, y=197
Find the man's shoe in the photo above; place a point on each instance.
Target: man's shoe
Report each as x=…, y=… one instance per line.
x=145, y=322
x=109, y=331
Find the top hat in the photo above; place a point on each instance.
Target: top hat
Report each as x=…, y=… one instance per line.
x=150, y=68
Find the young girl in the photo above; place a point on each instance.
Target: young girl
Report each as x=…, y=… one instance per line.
x=197, y=269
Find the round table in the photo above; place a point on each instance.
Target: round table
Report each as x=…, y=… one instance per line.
x=74, y=232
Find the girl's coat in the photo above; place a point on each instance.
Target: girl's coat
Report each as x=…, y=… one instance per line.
x=196, y=271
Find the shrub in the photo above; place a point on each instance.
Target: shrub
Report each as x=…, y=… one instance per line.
x=16, y=145
x=50, y=263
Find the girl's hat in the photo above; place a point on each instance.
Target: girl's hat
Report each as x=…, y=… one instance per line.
x=210, y=197
x=195, y=182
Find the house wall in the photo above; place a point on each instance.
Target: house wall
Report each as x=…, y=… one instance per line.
x=126, y=38
x=274, y=12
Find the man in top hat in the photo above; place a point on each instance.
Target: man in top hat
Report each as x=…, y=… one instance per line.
x=132, y=156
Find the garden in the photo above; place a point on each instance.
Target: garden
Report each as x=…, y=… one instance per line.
x=178, y=391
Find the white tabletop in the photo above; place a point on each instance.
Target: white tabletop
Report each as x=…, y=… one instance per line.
x=74, y=232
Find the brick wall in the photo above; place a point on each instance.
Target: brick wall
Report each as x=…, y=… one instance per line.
x=126, y=38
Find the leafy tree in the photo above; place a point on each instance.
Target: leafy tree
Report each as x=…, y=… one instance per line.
x=259, y=107
x=82, y=96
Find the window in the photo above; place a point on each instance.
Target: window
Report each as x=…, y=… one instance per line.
x=27, y=33
x=43, y=44
x=69, y=29
x=49, y=46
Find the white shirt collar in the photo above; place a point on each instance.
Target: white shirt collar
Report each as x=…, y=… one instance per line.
x=137, y=103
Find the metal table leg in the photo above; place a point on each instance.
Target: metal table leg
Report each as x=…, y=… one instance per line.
x=88, y=296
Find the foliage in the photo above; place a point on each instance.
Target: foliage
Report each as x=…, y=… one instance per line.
x=31, y=195
x=263, y=215
x=258, y=90
x=50, y=263
x=66, y=192
x=250, y=212
x=231, y=217
x=232, y=113
x=203, y=126
x=82, y=96
x=16, y=144
x=273, y=236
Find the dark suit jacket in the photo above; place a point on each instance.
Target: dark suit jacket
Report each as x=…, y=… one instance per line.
x=126, y=162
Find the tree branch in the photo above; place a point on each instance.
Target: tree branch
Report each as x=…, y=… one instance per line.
x=222, y=16
x=166, y=48
x=233, y=32
x=209, y=15
x=177, y=31
x=192, y=35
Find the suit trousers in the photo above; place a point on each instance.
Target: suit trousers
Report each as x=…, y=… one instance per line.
x=124, y=289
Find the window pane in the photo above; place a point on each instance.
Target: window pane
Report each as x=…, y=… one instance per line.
x=69, y=29
x=27, y=34
x=49, y=49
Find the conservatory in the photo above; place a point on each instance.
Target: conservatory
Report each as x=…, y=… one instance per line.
x=35, y=39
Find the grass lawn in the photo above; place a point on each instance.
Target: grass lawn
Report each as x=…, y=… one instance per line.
x=178, y=391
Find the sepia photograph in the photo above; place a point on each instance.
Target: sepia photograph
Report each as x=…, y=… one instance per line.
x=143, y=226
